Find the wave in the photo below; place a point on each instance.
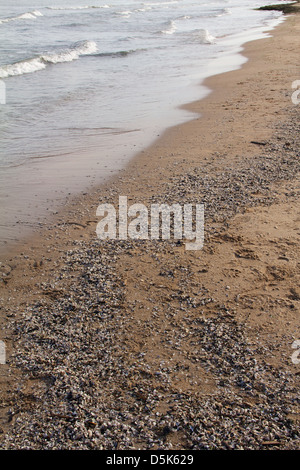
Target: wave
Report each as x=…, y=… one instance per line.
x=225, y=11
x=19, y=68
x=125, y=14
x=35, y=64
x=117, y=53
x=80, y=7
x=73, y=53
x=158, y=4
x=148, y=8
x=171, y=28
x=215, y=13
x=30, y=15
x=203, y=36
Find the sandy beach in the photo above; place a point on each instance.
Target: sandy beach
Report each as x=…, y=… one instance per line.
x=142, y=344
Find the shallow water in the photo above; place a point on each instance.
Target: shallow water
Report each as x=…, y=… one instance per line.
x=89, y=84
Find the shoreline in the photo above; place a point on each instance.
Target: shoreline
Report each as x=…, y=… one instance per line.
x=24, y=238
x=53, y=197
x=159, y=306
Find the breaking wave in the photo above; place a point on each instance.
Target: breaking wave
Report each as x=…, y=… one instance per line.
x=30, y=15
x=170, y=29
x=203, y=36
x=39, y=63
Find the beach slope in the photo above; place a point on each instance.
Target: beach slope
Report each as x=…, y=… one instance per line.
x=142, y=344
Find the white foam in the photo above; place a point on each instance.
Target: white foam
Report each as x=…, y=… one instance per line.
x=39, y=63
x=20, y=68
x=68, y=55
x=79, y=7
x=124, y=14
x=143, y=9
x=30, y=15
x=86, y=47
x=203, y=36
x=171, y=28
x=37, y=13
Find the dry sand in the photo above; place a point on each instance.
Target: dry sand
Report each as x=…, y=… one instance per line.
x=142, y=344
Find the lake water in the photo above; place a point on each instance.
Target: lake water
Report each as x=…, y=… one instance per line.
x=88, y=85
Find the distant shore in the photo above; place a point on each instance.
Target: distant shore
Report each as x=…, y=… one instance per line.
x=135, y=344
x=286, y=8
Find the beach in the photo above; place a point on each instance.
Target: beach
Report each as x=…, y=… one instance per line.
x=87, y=87
x=142, y=344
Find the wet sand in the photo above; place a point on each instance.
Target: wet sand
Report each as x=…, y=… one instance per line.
x=143, y=344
